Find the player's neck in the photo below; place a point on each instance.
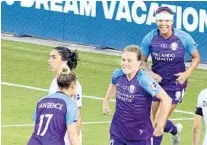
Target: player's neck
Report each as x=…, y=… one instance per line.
x=130, y=76
x=67, y=92
x=167, y=35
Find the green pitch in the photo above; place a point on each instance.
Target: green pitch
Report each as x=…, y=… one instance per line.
x=26, y=64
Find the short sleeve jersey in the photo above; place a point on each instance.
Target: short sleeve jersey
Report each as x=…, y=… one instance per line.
x=168, y=55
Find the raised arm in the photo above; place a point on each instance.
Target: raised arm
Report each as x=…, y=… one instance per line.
x=110, y=93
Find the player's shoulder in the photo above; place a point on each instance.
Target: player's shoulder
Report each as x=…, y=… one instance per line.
x=53, y=86
x=78, y=84
x=142, y=74
x=203, y=94
x=117, y=72
x=179, y=33
x=151, y=34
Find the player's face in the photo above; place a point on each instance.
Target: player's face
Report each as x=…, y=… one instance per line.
x=72, y=89
x=54, y=61
x=129, y=62
x=165, y=26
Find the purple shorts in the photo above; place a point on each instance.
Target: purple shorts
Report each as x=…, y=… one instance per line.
x=176, y=96
x=116, y=141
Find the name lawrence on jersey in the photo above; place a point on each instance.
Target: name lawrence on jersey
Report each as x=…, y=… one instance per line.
x=51, y=105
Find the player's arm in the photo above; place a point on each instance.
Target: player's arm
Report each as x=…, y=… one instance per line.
x=198, y=119
x=165, y=106
x=190, y=46
x=109, y=94
x=72, y=134
x=195, y=61
x=71, y=122
x=145, y=51
x=197, y=127
x=79, y=123
x=155, y=90
x=144, y=63
x=79, y=93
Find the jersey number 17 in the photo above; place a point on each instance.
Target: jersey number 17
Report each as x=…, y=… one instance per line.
x=42, y=118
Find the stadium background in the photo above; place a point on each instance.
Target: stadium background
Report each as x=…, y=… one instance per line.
x=24, y=66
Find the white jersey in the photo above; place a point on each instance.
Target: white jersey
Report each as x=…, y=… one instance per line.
x=78, y=97
x=202, y=103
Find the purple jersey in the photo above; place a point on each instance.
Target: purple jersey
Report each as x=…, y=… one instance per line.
x=53, y=114
x=168, y=55
x=131, y=120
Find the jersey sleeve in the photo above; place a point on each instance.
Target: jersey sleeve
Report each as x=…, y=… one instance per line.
x=34, y=116
x=145, y=50
x=199, y=101
x=115, y=75
x=149, y=84
x=145, y=44
x=190, y=44
x=72, y=112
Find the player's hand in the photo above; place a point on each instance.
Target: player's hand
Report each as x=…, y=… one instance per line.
x=182, y=77
x=155, y=76
x=106, y=108
x=158, y=130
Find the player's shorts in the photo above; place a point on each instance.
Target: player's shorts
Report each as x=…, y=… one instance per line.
x=116, y=141
x=176, y=96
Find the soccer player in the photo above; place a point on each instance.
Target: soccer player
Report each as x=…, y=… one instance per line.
x=167, y=47
x=60, y=56
x=200, y=114
x=57, y=113
x=134, y=90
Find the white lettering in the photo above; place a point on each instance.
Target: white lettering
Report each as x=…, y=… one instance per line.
x=190, y=11
x=10, y=2
x=51, y=105
x=135, y=6
x=88, y=8
x=28, y=3
x=202, y=21
x=42, y=2
x=55, y=5
x=179, y=18
x=108, y=11
x=123, y=11
x=71, y=6
x=151, y=16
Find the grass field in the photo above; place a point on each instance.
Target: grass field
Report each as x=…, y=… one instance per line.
x=26, y=64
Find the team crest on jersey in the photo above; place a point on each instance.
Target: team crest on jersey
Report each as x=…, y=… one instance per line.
x=131, y=88
x=152, y=85
x=174, y=46
x=177, y=95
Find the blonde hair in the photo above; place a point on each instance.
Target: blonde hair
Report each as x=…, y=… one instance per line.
x=135, y=49
x=65, y=77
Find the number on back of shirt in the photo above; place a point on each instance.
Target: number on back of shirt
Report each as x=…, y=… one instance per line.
x=47, y=118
